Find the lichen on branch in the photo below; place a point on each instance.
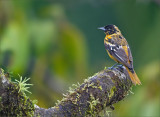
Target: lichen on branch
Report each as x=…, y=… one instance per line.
x=91, y=97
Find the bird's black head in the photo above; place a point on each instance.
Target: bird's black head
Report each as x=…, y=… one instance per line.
x=110, y=29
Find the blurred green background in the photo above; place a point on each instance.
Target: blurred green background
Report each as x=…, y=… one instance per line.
x=56, y=43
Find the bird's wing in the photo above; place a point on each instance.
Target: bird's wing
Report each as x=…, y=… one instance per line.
x=130, y=56
x=121, y=53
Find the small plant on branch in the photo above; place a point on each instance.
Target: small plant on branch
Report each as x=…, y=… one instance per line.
x=23, y=86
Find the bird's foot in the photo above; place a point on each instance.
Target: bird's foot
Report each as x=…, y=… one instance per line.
x=121, y=66
x=111, y=68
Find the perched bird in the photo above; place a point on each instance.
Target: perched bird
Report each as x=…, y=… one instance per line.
x=118, y=49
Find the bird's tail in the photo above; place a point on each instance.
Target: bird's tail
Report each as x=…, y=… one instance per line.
x=134, y=78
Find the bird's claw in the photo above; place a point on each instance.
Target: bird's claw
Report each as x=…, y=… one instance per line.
x=111, y=68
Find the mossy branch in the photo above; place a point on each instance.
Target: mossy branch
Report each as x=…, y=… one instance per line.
x=94, y=95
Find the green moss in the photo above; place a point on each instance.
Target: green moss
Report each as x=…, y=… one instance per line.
x=35, y=101
x=58, y=102
x=1, y=71
x=92, y=105
x=38, y=115
x=96, y=74
x=112, y=90
x=84, y=88
x=85, y=80
x=22, y=85
x=105, y=112
x=91, y=84
x=74, y=101
x=100, y=87
x=96, y=86
x=17, y=103
x=76, y=85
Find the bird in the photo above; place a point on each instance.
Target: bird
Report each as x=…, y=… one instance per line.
x=118, y=49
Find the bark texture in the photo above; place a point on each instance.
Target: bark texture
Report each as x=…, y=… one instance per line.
x=88, y=99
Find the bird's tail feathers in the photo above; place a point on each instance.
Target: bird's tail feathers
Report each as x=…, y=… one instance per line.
x=133, y=76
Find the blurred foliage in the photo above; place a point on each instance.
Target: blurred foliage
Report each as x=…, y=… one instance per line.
x=56, y=43
x=50, y=50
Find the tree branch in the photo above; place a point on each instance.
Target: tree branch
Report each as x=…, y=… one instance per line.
x=94, y=95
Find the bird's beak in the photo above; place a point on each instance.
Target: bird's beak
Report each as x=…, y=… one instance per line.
x=102, y=28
